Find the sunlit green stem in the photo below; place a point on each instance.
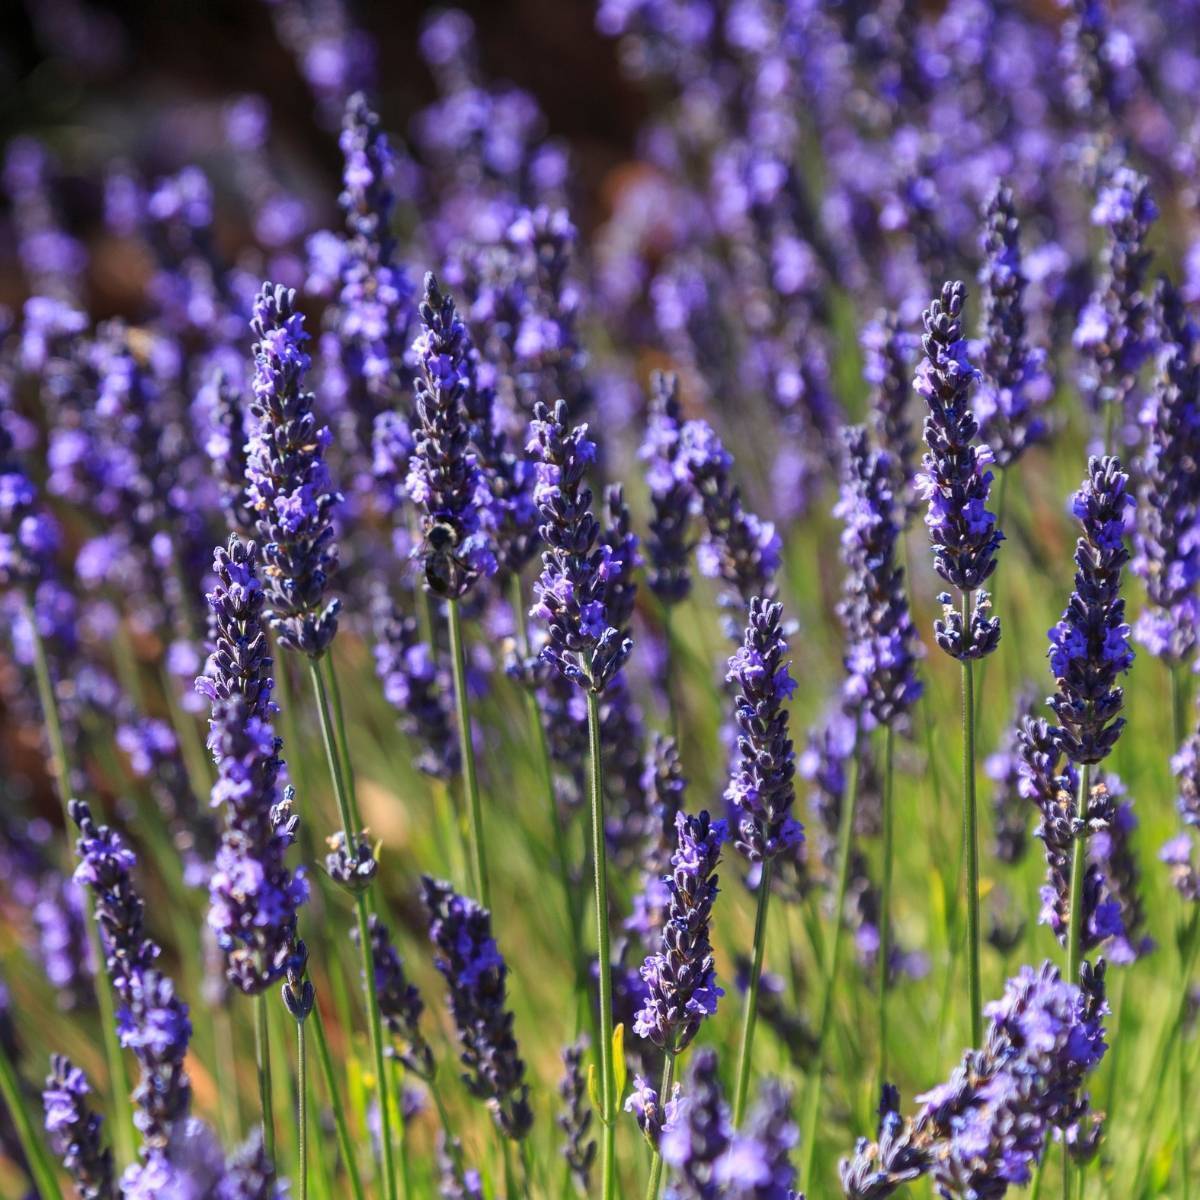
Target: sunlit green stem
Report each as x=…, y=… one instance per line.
x=664, y=1095
x=547, y=770
x=467, y=750
x=262, y=1057
x=832, y=965
x=36, y=1154
x=301, y=1113
x=885, y=906
x=345, y=1145
x=600, y=868
x=364, y=933
x=750, y=1014
x=971, y=835
x=117, y=1074
x=1075, y=929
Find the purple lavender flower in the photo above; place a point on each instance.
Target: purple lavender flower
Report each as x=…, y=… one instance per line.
x=573, y=593
x=681, y=977
x=226, y=449
x=414, y=685
x=1115, y=330
x=254, y=896
x=1167, y=543
x=455, y=1180
x=644, y=1104
x=289, y=486
x=400, y=1003
x=762, y=787
x=444, y=479
x=575, y=1120
x=987, y=1127
x=709, y=1160
x=887, y=368
x=28, y=534
x=74, y=1131
x=1089, y=647
x=1014, y=383
x=151, y=1020
x=670, y=492
x=476, y=975
x=953, y=479
x=882, y=645
x=1010, y=812
x=738, y=548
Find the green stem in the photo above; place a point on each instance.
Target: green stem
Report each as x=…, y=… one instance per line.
x=301, y=1113
x=364, y=932
x=226, y=1069
x=1178, y=706
x=543, y=756
x=664, y=1094
x=1078, y=871
x=971, y=836
x=397, y=1094
x=339, y=720
x=885, y=905
x=750, y=1015
x=845, y=836
x=672, y=666
x=600, y=869
x=118, y=1076
x=1075, y=929
x=339, y=1112
x=1185, y=1166
x=36, y=1154
x=467, y=750
x=262, y=1057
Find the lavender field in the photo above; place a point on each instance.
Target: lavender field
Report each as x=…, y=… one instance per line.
x=599, y=600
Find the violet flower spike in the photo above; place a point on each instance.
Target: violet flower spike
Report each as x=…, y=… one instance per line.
x=572, y=592
x=954, y=479
x=444, y=479
x=74, y=1131
x=1089, y=647
x=681, y=977
x=476, y=975
x=289, y=485
x=762, y=788
x=669, y=479
x=1014, y=383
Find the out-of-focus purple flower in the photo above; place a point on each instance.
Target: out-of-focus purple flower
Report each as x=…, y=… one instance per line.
x=573, y=591
x=226, y=448
x=415, y=686
x=887, y=368
x=1167, y=543
x=762, y=787
x=1089, y=647
x=681, y=977
x=1010, y=811
x=1115, y=334
x=670, y=492
x=444, y=479
x=882, y=646
x=954, y=479
x=74, y=1131
x=575, y=1120
x=738, y=548
x=476, y=976
x=1014, y=384
x=289, y=485
x=400, y=1002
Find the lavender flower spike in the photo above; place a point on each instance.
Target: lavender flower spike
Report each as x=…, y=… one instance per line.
x=1168, y=549
x=953, y=479
x=1014, y=384
x=670, y=492
x=882, y=648
x=572, y=592
x=444, y=479
x=254, y=897
x=476, y=974
x=681, y=978
x=1089, y=647
x=762, y=788
x=75, y=1131
x=289, y=486
x=575, y=1120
